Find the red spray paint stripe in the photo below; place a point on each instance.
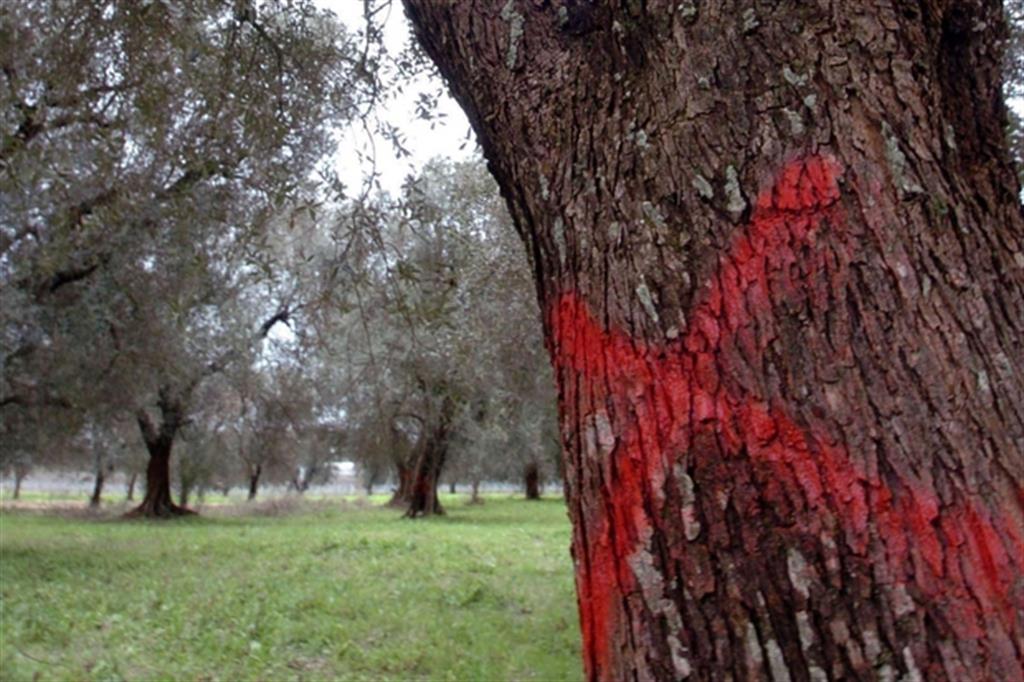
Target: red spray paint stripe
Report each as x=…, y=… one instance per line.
x=656, y=398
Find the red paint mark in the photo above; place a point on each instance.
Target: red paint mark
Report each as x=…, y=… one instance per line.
x=658, y=398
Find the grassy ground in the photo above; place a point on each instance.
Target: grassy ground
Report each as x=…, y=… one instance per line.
x=318, y=593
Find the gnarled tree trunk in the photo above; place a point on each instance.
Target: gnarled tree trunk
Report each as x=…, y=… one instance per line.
x=423, y=500
x=157, y=502
x=159, y=438
x=430, y=455
x=779, y=255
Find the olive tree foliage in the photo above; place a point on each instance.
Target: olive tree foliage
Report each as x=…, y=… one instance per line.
x=148, y=152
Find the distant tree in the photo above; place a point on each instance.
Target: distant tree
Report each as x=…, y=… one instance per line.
x=438, y=369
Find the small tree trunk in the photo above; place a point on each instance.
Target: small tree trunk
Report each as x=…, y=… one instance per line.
x=474, y=497
x=451, y=487
x=532, y=481
x=97, y=490
x=131, y=487
x=254, y=481
x=19, y=475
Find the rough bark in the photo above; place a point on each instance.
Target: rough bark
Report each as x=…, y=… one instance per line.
x=779, y=258
x=254, y=481
x=531, y=476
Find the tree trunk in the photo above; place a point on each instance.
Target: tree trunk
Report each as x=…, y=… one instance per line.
x=131, y=487
x=474, y=497
x=254, y=481
x=19, y=475
x=159, y=438
x=432, y=450
x=423, y=500
x=97, y=490
x=780, y=261
x=451, y=487
x=532, y=479
x=157, y=502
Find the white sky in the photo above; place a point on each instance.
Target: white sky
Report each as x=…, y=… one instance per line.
x=421, y=140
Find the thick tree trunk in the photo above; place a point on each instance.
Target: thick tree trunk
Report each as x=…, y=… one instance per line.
x=130, y=496
x=157, y=502
x=531, y=476
x=97, y=490
x=780, y=261
x=254, y=481
x=159, y=438
x=423, y=500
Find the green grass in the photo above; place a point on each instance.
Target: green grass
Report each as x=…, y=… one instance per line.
x=484, y=593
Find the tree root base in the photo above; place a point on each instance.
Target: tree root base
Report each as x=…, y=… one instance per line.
x=171, y=511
